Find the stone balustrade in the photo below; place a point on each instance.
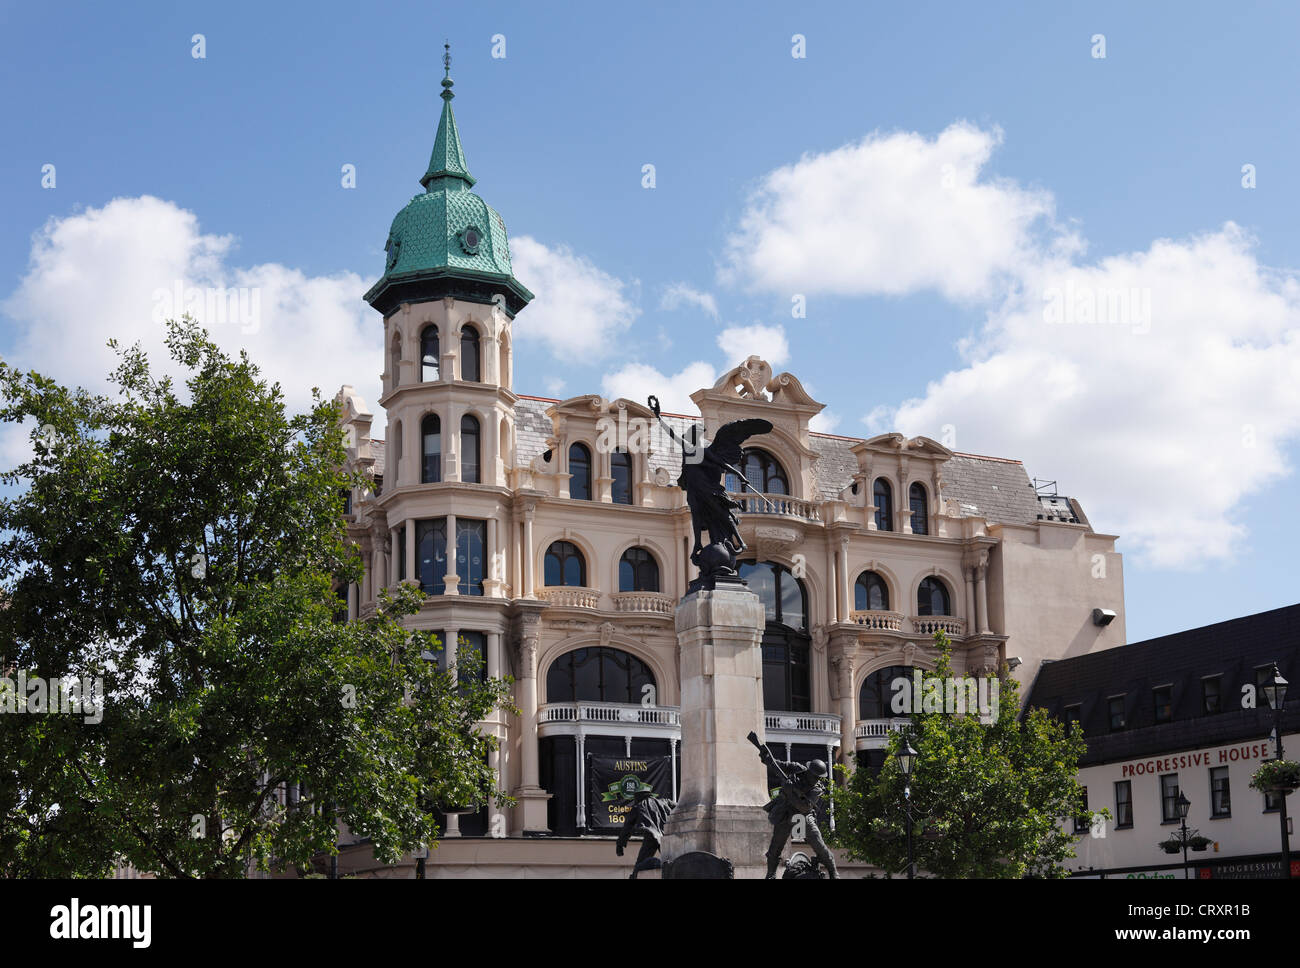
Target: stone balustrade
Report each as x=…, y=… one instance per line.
x=875, y=619
x=568, y=597
x=655, y=603
x=929, y=624
x=776, y=504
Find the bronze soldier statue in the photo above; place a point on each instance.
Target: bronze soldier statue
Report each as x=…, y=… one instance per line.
x=802, y=789
x=647, y=817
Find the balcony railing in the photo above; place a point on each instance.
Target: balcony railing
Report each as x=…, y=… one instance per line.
x=878, y=728
x=872, y=619
x=929, y=624
x=779, y=504
x=920, y=624
x=609, y=712
x=654, y=602
x=570, y=597
x=802, y=723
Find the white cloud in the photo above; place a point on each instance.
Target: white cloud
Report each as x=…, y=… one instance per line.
x=636, y=381
x=679, y=294
x=112, y=271
x=1162, y=426
x=891, y=214
x=824, y=422
x=554, y=386
x=578, y=310
x=738, y=343
x=1163, y=414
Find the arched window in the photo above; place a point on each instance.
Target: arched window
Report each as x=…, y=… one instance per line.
x=598, y=674
x=471, y=536
x=932, y=598
x=564, y=565
x=763, y=471
x=430, y=554
x=920, y=514
x=431, y=449
x=787, y=682
x=580, y=472
x=395, y=361
x=878, y=690
x=638, y=571
x=429, y=360
x=620, y=463
x=883, y=496
x=871, y=592
x=470, y=471
x=469, y=355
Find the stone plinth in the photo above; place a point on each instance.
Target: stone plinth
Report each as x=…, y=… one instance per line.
x=720, y=805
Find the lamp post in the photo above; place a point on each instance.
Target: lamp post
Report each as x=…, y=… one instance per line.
x=1275, y=693
x=906, y=759
x=1183, y=806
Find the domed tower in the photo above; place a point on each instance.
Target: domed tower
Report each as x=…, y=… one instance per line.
x=448, y=296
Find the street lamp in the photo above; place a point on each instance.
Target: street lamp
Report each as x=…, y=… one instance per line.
x=1275, y=692
x=1183, y=806
x=906, y=760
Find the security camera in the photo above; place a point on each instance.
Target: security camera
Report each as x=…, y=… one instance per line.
x=1014, y=662
x=1102, y=616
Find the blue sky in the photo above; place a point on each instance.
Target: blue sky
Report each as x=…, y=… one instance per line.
x=1100, y=156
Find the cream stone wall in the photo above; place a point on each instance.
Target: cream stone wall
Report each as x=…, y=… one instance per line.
x=1018, y=586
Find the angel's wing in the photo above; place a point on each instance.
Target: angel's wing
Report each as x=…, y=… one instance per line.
x=727, y=441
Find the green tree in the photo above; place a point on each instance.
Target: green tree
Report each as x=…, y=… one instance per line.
x=186, y=547
x=988, y=800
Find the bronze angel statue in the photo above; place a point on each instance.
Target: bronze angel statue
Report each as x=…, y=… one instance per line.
x=703, y=465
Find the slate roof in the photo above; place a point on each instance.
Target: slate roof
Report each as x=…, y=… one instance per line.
x=532, y=427
x=991, y=487
x=1231, y=649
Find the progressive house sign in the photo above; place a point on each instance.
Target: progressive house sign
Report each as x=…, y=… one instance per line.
x=1184, y=761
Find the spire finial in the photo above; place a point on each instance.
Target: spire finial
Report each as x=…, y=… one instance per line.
x=446, y=73
x=447, y=163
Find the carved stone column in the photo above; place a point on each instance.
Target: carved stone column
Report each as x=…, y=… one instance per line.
x=903, y=503
x=530, y=815
x=844, y=670
x=451, y=581
x=981, y=592
x=846, y=587
x=527, y=553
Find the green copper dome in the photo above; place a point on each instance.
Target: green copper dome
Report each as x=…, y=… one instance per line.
x=447, y=241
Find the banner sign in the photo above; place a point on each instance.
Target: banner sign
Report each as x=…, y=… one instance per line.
x=613, y=782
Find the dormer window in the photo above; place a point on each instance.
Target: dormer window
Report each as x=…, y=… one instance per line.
x=620, y=466
x=920, y=511
x=883, y=496
x=763, y=471
x=580, y=472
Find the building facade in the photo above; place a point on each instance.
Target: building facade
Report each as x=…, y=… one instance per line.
x=1181, y=714
x=551, y=536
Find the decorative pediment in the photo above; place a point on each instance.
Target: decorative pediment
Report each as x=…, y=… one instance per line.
x=787, y=389
x=753, y=380
x=750, y=379
x=587, y=405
